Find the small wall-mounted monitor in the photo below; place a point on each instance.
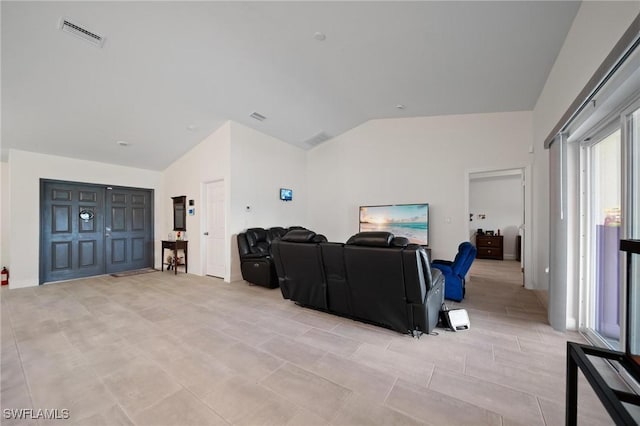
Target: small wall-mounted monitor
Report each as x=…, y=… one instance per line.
x=286, y=194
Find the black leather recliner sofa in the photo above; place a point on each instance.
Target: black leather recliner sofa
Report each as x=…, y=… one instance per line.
x=375, y=277
x=256, y=264
x=254, y=246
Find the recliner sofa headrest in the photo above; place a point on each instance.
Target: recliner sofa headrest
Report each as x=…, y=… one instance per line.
x=371, y=239
x=275, y=232
x=299, y=236
x=400, y=242
x=256, y=235
x=319, y=238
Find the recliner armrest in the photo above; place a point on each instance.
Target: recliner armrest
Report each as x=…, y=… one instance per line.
x=442, y=262
x=255, y=256
x=436, y=277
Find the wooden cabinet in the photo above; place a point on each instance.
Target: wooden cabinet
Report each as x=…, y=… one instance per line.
x=490, y=247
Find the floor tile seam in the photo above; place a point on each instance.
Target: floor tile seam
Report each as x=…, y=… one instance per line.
x=473, y=404
x=499, y=317
x=280, y=358
x=24, y=373
x=421, y=356
x=522, y=389
x=138, y=409
x=380, y=369
x=519, y=343
x=202, y=401
x=310, y=372
x=544, y=419
x=299, y=407
x=353, y=338
x=336, y=353
x=508, y=388
x=331, y=332
x=523, y=356
x=386, y=397
x=397, y=410
x=509, y=335
x=387, y=406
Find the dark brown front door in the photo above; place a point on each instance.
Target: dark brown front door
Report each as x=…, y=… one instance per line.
x=91, y=230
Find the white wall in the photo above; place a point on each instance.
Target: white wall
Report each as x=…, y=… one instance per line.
x=412, y=160
x=207, y=162
x=254, y=167
x=5, y=215
x=500, y=199
x=260, y=166
x=26, y=170
x=597, y=27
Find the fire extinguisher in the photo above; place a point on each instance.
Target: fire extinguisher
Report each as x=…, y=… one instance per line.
x=5, y=276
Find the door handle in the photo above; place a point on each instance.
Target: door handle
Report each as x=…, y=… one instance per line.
x=206, y=233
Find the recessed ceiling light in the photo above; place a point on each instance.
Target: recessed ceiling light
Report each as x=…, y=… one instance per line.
x=123, y=143
x=319, y=36
x=400, y=106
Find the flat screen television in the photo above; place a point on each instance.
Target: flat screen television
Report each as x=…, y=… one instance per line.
x=286, y=194
x=402, y=220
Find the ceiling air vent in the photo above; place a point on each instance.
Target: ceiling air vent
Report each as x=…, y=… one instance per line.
x=258, y=116
x=317, y=139
x=78, y=31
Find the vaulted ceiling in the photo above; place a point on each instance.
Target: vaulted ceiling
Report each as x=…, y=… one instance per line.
x=170, y=73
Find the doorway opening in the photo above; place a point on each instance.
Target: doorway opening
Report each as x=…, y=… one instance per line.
x=498, y=200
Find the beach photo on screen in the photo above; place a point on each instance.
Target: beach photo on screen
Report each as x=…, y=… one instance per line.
x=404, y=220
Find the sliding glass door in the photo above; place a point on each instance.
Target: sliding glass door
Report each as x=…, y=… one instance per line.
x=631, y=134
x=610, y=210
x=602, y=215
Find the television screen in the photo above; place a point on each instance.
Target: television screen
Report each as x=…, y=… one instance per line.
x=286, y=194
x=402, y=220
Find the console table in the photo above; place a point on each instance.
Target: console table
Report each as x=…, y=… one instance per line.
x=174, y=246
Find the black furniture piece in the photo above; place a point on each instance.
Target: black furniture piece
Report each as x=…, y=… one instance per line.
x=374, y=277
x=256, y=263
x=578, y=357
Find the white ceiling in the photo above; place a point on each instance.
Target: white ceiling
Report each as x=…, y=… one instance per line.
x=169, y=65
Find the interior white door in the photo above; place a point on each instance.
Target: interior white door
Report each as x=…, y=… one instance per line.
x=215, y=229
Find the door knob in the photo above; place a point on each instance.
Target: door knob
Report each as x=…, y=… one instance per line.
x=206, y=233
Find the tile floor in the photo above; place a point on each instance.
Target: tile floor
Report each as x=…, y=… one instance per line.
x=161, y=349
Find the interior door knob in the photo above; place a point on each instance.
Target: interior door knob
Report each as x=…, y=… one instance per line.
x=206, y=233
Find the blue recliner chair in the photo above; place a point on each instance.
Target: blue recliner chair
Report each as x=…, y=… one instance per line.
x=454, y=272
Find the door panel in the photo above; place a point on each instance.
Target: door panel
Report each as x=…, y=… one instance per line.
x=117, y=237
x=70, y=246
x=129, y=229
x=215, y=237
